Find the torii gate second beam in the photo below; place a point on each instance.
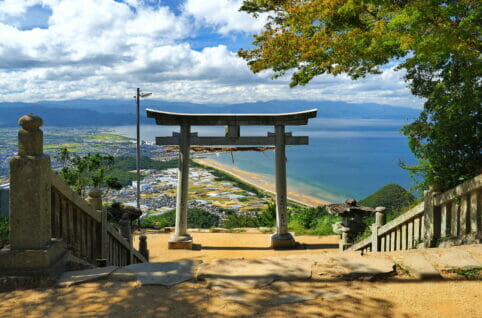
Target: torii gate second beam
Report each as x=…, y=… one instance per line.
x=282, y=238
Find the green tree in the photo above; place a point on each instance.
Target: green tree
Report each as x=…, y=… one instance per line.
x=240, y=220
x=435, y=42
x=196, y=218
x=268, y=216
x=88, y=170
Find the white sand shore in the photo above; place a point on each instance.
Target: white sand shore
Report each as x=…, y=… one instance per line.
x=259, y=181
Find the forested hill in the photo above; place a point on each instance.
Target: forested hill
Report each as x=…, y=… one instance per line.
x=122, y=112
x=392, y=196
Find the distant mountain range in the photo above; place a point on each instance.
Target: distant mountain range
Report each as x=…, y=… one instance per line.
x=110, y=112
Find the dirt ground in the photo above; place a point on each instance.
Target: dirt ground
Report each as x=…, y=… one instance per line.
x=250, y=244
x=317, y=297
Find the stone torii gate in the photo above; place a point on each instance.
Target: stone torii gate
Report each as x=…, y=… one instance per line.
x=184, y=139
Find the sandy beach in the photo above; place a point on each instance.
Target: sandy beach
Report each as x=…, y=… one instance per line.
x=259, y=181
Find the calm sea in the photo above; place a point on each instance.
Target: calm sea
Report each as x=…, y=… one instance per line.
x=345, y=157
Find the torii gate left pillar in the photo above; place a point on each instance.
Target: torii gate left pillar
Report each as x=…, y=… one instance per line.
x=181, y=239
x=282, y=238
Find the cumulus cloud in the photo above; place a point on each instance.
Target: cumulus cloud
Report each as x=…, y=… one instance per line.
x=106, y=48
x=224, y=15
x=18, y=7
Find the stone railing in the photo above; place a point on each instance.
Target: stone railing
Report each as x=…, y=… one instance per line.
x=449, y=218
x=83, y=226
x=48, y=219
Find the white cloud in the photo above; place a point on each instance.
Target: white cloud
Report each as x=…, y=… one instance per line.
x=224, y=15
x=104, y=49
x=15, y=8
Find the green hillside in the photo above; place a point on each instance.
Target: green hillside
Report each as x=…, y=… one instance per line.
x=392, y=196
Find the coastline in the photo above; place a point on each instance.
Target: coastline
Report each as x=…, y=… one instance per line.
x=258, y=181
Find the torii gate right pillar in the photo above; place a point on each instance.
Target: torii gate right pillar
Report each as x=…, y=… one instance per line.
x=282, y=238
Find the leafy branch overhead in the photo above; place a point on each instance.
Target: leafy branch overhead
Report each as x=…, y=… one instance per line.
x=435, y=42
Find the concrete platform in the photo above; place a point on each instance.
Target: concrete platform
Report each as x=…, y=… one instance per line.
x=166, y=274
x=77, y=277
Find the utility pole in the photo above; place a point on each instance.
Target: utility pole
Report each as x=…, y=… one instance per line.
x=138, y=150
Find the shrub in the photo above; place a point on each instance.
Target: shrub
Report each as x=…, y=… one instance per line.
x=312, y=221
x=196, y=218
x=240, y=220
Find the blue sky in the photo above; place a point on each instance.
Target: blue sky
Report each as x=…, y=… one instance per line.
x=178, y=50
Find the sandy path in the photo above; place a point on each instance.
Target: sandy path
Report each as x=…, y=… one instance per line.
x=333, y=298
x=259, y=181
x=228, y=245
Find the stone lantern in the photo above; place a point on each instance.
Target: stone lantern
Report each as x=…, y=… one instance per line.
x=352, y=220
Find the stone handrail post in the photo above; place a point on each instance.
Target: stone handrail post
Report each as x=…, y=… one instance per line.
x=104, y=244
x=30, y=189
x=32, y=251
x=94, y=198
x=380, y=220
x=344, y=242
x=125, y=226
x=143, y=247
x=430, y=219
x=380, y=217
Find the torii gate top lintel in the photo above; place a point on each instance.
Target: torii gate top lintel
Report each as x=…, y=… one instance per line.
x=282, y=238
x=232, y=123
x=289, y=119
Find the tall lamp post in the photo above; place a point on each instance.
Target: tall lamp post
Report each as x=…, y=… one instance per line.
x=138, y=97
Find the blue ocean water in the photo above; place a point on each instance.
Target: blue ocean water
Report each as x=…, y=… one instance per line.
x=345, y=157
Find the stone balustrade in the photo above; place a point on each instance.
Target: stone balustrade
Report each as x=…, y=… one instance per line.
x=48, y=219
x=442, y=219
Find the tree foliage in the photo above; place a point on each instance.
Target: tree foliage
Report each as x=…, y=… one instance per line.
x=312, y=221
x=268, y=216
x=240, y=220
x=126, y=163
x=196, y=218
x=92, y=170
x=435, y=42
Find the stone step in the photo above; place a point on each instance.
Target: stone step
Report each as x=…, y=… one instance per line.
x=353, y=266
x=166, y=273
x=447, y=258
x=88, y=275
x=419, y=267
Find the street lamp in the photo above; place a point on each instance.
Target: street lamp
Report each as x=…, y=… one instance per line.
x=138, y=97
